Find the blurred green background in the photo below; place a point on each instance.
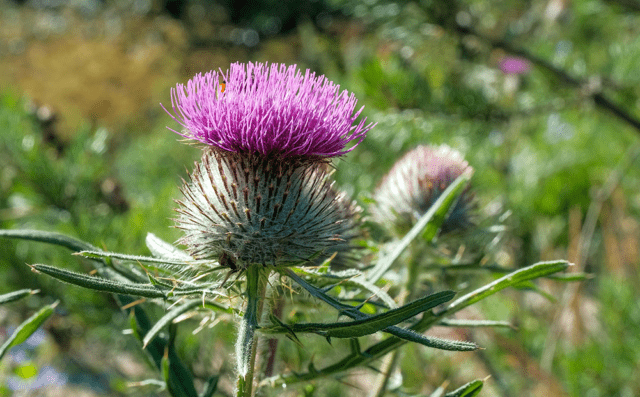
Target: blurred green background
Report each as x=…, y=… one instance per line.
x=541, y=96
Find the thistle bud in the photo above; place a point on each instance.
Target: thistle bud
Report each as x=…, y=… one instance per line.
x=250, y=209
x=416, y=181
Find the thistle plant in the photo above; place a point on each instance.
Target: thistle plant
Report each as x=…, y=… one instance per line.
x=260, y=198
x=260, y=213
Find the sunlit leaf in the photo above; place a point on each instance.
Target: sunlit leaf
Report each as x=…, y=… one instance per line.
x=161, y=249
x=471, y=389
x=27, y=328
x=16, y=295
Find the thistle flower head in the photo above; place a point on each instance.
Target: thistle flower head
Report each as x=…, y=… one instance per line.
x=246, y=209
x=416, y=181
x=268, y=109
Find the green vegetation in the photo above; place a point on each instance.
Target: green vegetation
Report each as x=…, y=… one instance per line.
x=554, y=149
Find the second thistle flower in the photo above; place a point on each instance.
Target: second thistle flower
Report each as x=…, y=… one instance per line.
x=416, y=181
x=261, y=193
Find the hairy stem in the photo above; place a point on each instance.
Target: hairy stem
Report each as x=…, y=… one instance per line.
x=247, y=339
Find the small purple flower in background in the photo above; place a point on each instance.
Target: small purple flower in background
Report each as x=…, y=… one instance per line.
x=261, y=193
x=268, y=109
x=515, y=65
x=416, y=181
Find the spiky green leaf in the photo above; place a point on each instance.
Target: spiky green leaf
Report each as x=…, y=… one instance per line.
x=354, y=313
x=372, y=324
x=16, y=295
x=139, y=258
x=102, y=284
x=48, y=237
x=540, y=269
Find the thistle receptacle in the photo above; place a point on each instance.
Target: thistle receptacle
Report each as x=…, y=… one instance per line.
x=252, y=209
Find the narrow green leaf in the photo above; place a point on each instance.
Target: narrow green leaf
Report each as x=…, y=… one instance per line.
x=471, y=389
x=475, y=323
x=372, y=324
x=571, y=277
x=140, y=325
x=27, y=328
x=17, y=295
x=167, y=318
x=435, y=343
x=48, y=237
x=540, y=269
x=434, y=217
x=180, y=380
x=161, y=249
x=210, y=387
x=102, y=284
x=138, y=258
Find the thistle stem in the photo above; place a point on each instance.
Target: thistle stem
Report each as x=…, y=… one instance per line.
x=277, y=310
x=390, y=362
x=247, y=340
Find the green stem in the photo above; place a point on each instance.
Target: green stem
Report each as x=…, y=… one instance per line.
x=406, y=294
x=247, y=339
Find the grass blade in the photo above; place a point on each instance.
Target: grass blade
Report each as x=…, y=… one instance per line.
x=27, y=328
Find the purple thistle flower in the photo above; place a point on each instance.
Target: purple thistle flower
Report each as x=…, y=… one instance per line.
x=515, y=65
x=270, y=109
x=416, y=181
